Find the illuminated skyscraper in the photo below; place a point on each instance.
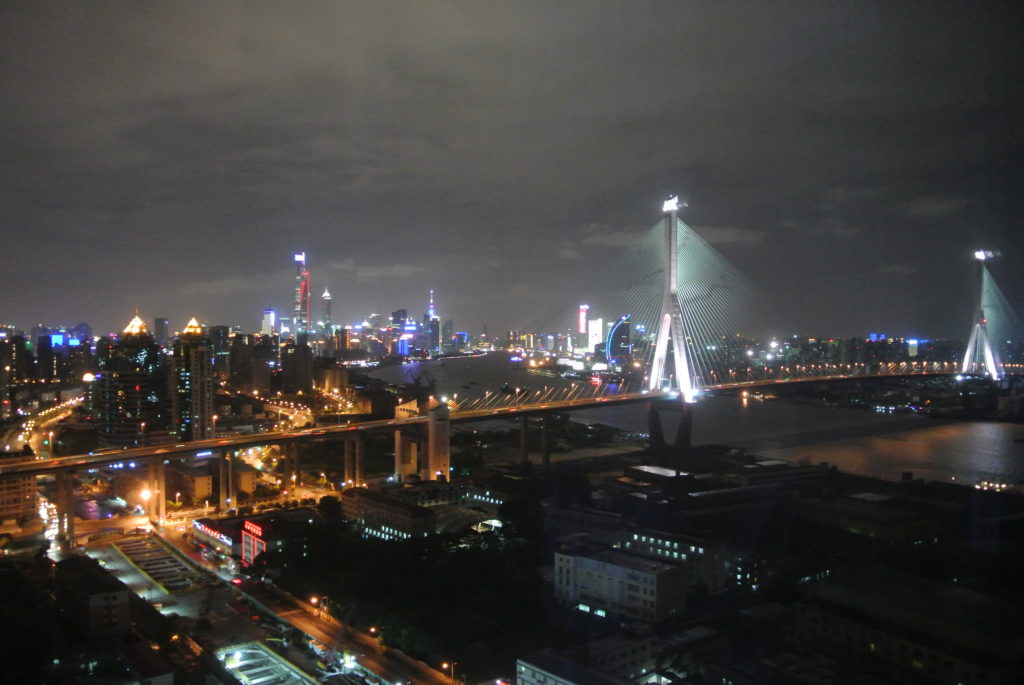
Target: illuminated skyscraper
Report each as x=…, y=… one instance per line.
x=581, y=327
x=595, y=334
x=300, y=310
x=325, y=301
x=432, y=326
x=130, y=388
x=269, y=323
x=190, y=386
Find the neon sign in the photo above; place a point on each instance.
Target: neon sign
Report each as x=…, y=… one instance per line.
x=253, y=529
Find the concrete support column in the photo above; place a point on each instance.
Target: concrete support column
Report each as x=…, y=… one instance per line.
x=229, y=456
x=222, y=498
x=58, y=500
x=545, y=444
x=438, y=442
x=69, y=508
x=161, y=490
x=350, y=448
x=297, y=469
x=360, y=450
x=524, y=446
x=151, y=487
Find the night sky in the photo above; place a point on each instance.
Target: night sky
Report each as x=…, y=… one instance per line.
x=847, y=157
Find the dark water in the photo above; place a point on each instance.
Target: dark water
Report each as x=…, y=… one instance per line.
x=858, y=441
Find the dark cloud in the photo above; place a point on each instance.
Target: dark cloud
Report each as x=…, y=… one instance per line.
x=174, y=155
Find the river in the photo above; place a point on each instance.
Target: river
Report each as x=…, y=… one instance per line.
x=854, y=440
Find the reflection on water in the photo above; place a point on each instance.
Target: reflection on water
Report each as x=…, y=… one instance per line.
x=881, y=445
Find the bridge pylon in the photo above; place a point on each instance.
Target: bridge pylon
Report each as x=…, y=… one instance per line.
x=671, y=334
x=980, y=356
x=671, y=331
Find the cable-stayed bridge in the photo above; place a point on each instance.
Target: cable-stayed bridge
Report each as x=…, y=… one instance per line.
x=683, y=299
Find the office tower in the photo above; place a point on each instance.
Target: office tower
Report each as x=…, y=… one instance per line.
x=45, y=360
x=160, y=331
x=297, y=367
x=448, y=337
x=130, y=388
x=240, y=362
x=300, y=309
x=220, y=338
x=399, y=317
x=190, y=384
x=268, y=327
x=581, y=326
x=595, y=333
x=325, y=301
x=82, y=332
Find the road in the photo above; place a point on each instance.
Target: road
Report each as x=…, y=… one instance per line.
x=390, y=664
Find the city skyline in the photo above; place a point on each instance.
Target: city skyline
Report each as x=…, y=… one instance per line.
x=500, y=154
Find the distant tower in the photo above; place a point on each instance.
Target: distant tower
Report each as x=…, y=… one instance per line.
x=325, y=300
x=581, y=328
x=130, y=389
x=160, y=331
x=190, y=384
x=671, y=319
x=980, y=356
x=300, y=310
x=269, y=324
x=432, y=324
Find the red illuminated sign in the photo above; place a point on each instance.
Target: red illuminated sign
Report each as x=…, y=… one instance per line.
x=251, y=527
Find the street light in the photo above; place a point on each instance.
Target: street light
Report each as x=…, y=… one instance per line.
x=450, y=666
x=215, y=417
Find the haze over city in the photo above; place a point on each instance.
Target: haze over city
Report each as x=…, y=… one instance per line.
x=533, y=343
x=173, y=157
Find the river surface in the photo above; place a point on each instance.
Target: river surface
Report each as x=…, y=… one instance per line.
x=854, y=440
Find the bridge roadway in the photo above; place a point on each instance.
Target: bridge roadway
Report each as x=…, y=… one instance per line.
x=39, y=467
x=55, y=465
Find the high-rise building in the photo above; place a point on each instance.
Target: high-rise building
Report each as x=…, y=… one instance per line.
x=448, y=342
x=300, y=309
x=130, y=388
x=595, y=333
x=432, y=326
x=160, y=331
x=190, y=384
x=325, y=301
x=220, y=338
x=581, y=326
x=45, y=358
x=268, y=327
x=240, y=360
x=297, y=367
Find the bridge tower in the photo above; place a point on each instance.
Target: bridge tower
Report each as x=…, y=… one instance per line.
x=670, y=328
x=980, y=356
x=671, y=332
